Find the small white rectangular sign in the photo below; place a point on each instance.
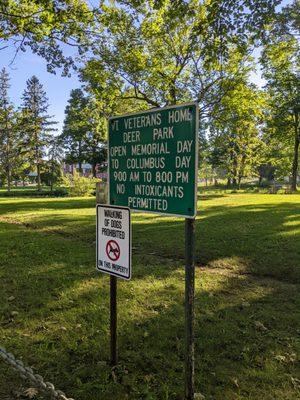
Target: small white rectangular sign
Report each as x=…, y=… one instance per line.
x=114, y=240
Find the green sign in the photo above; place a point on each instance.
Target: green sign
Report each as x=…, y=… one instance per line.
x=153, y=160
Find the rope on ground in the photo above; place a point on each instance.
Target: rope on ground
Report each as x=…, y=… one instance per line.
x=35, y=379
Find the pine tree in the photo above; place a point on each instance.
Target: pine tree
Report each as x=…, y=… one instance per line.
x=36, y=124
x=8, y=134
x=75, y=128
x=95, y=148
x=84, y=130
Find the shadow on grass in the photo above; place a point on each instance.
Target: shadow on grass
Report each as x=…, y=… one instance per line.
x=260, y=239
x=263, y=239
x=246, y=330
x=204, y=197
x=37, y=204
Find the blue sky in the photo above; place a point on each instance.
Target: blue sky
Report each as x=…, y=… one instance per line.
x=27, y=64
x=57, y=87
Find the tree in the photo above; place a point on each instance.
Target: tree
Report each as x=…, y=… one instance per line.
x=281, y=65
x=164, y=52
x=36, y=124
x=75, y=128
x=8, y=132
x=236, y=133
x=52, y=169
x=84, y=132
x=95, y=148
x=45, y=27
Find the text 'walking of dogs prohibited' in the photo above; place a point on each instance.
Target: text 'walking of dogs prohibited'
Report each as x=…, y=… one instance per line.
x=114, y=241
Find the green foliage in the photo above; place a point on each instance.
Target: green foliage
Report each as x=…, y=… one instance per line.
x=84, y=131
x=51, y=173
x=171, y=51
x=235, y=134
x=159, y=53
x=281, y=65
x=140, y=54
x=10, y=157
x=45, y=27
x=35, y=124
x=27, y=191
x=79, y=185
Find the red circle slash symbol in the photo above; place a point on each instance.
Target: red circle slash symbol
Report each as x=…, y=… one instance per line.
x=113, y=250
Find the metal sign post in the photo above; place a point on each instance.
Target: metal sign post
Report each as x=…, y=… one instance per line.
x=114, y=257
x=113, y=321
x=153, y=167
x=189, y=308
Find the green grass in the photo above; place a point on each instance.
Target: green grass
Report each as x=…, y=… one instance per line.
x=247, y=300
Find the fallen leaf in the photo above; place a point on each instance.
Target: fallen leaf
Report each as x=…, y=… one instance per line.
x=30, y=392
x=199, y=396
x=295, y=382
x=114, y=376
x=280, y=358
x=260, y=326
x=14, y=313
x=245, y=304
x=235, y=382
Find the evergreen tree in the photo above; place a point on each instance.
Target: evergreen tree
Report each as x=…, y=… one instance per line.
x=95, y=149
x=53, y=171
x=75, y=128
x=36, y=124
x=84, y=131
x=8, y=133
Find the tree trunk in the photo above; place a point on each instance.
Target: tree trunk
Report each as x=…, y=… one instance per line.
x=79, y=157
x=8, y=150
x=52, y=176
x=80, y=167
x=38, y=169
x=235, y=172
x=239, y=182
x=8, y=177
x=296, y=152
x=94, y=170
x=228, y=182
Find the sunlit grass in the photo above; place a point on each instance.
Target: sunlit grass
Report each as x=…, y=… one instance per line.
x=54, y=306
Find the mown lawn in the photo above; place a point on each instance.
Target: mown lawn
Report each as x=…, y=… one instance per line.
x=54, y=306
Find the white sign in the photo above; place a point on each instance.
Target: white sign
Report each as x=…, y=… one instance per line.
x=114, y=240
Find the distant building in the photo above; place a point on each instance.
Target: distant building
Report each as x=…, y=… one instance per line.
x=87, y=170
x=71, y=168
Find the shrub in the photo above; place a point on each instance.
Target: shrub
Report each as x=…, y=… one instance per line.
x=79, y=185
x=60, y=192
x=281, y=191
